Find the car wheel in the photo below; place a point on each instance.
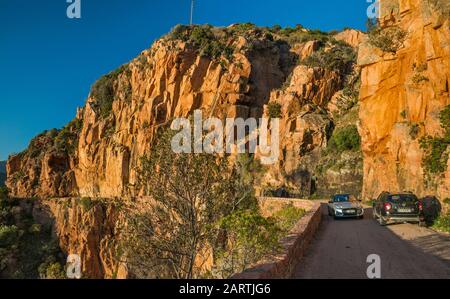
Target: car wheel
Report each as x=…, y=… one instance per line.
x=329, y=212
x=361, y=217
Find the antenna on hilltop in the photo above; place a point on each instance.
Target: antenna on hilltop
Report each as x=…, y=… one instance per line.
x=192, y=11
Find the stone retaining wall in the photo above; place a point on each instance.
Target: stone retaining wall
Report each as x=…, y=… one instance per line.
x=294, y=245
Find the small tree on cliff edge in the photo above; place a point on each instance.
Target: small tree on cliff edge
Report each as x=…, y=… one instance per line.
x=171, y=236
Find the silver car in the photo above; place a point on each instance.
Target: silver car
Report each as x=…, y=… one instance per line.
x=345, y=206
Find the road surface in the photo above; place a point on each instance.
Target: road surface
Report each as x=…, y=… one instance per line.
x=341, y=247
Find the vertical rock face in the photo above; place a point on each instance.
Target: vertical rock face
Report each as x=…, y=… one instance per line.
x=173, y=82
x=89, y=229
x=401, y=91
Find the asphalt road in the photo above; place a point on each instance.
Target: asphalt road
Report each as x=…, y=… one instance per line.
x=341, y=247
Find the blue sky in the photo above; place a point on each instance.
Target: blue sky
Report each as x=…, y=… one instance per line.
x=48, y=62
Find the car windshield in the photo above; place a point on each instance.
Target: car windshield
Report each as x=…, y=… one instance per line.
x=402, y=197
x=341, y=198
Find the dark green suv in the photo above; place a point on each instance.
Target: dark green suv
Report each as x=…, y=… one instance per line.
x=398, y=208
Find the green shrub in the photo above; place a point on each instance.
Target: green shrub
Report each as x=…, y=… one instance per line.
x=340, y=58
x=435, y=147
x=52, y=271
x=388, y=39
x=103, y=91
x=203, y=38
x=297, y=35
x=250, y=237
x=346, y=138
x=443, y=223
x=179, y=32
x=67, y=138
x=287, y=217
x=274, y=110
x=404, y=114
x=9, y=235
x=444, y=118
x=434, y=160
x=86, y=203
x=242, y=27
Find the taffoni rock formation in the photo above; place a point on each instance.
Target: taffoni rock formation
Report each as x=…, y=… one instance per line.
x=393, y=98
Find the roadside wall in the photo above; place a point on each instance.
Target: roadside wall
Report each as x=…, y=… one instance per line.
x=294, y=245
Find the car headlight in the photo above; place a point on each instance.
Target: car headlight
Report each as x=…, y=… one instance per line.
x=339, y=210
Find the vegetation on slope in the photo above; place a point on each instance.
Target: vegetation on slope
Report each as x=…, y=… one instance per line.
x=436, y=147
x=442, y=223
x=338, y=56
x=104, y=91
x=27, y=249
x=389, y=39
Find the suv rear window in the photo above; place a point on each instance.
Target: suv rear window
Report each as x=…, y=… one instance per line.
x=402, y=197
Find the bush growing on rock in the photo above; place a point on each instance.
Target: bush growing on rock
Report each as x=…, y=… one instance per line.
x=51, y=270
x=442, y=223
x=67, y=138
x=288, y=217
x=103, y=91
x=346, y=138
x=203, y=38
x=339, y=58
x=435, y=147
x=274, y=110
x=388, y=39
x=250, y=237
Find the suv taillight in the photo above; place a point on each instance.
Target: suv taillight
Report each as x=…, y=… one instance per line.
x=387, y=206
x=420, y=206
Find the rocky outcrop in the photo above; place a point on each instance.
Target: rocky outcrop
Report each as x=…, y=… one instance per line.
x=87, y=228
x=172, y=79
x=312, y=106
x=169, y=80
x=351, y=37
x=404, y=90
